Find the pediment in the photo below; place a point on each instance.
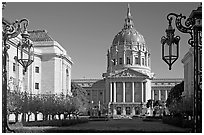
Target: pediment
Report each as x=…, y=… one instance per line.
x=129, y=73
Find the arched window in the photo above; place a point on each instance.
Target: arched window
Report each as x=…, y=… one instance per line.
x=128, y=60
x=121, y=61
x=127, y=110
x=67, y=72
x=136, y=60
x=148, y=61
x=143, y=61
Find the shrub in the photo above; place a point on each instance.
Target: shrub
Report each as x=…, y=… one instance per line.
x=177, y=121
x=154, y=117
x=98, y=118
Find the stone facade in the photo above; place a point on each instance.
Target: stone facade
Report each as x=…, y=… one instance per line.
x=50, y=72
x=96, y=91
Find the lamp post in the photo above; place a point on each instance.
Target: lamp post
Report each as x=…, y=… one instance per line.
x=193, y=26
x=25, y=47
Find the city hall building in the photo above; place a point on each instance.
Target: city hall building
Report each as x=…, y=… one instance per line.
x=50, y=73
x=128, y=82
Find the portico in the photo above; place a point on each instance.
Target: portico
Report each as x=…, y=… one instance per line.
x=127, y=91
x=115, y=86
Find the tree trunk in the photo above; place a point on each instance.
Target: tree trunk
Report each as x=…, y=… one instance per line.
x=44, y=116
x=69, y=116
x=53, y=117
x=23, y=117
x=65, y=116
x=16, y=117
x=36, y=117
x=29, y=117
x=59, y=116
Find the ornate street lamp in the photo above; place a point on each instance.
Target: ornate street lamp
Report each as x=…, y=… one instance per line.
x=170, y=45
x=10, y=31
x=193, y=26
x=26, y=50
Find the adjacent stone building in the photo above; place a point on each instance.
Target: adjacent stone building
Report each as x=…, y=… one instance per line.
x=188, y=61
x=50, y=73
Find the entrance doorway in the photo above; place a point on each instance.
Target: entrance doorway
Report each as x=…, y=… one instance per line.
x=118, y=110
x=137, y=110
x=127, y=110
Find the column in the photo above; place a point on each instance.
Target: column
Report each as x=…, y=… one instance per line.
x=124, y=111
x=142, y=92
x=114, y=111
x=152, y=94
x=103, y=98
x=159, y=94
x=133, y=110
x=133, y=59
x=133, y=91
x=114, y=89
x=166, y=92
x=110, y=91
x=123, y=91
x=124, y=58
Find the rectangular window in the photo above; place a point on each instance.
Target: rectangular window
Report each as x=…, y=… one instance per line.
x=121, y=61
x=142, y=61
x=148, y=62
x=128, y=60
x=14, y=66
x=114, y=61
x=37, y=86
x=136, y=60
x=37, y=69
x=118, y=110
x=145, y=61
x=137, y=110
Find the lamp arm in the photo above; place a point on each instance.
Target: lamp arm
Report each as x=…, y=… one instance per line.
x=189, y=23
x=14, y=29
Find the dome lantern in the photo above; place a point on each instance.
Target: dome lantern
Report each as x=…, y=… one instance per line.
x=128, y=21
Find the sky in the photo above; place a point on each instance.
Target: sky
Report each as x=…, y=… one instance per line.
x=86, y=30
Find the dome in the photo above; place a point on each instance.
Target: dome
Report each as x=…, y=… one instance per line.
x=128, y=36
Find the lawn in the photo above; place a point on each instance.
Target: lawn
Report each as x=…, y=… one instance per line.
x=134, y=125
